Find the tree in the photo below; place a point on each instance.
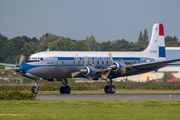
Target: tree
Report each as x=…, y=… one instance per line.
x=140, y=39
x=172, y=41
x=145, y=38
x=92, y=44
x=166, y=76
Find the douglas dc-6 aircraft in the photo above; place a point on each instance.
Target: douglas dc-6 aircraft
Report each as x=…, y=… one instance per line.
x=94, y=65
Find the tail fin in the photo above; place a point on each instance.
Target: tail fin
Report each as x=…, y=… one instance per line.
x=156, y=46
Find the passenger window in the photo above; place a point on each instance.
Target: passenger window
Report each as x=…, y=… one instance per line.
x=97, y=62
x=62, y=62
x=88, y=62
x=57, y=62
x=74, y=62
x=92, y=62
x=102, y=62
x=107, y=62
x=79, y=62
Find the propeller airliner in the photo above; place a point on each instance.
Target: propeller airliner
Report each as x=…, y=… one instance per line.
x=94, y=65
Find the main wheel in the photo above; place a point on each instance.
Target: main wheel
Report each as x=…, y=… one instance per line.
x=61, y=89
x=67, y=90
x=34, y=90
x=112, y=89
x=106, y=89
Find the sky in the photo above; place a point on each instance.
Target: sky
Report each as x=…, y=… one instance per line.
x=78, y=19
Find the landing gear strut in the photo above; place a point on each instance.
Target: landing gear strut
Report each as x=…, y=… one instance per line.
x=35, y=87
x=64, y=89
x=109, y=88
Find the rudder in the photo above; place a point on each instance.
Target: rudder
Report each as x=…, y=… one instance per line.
x=156, y=47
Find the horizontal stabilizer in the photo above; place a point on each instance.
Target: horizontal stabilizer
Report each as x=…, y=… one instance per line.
x=153, y=64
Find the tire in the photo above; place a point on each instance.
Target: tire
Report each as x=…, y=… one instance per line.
x=106, y=89
x=67, y=90
x=112, y=89
x=61, y=90
x=34, y=90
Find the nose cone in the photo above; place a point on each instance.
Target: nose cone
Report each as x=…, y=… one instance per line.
x=25, y=67
x=22, y=67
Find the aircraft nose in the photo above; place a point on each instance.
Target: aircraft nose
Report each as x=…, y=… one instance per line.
x=24, y=67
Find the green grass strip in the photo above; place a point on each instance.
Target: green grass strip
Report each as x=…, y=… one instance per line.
x=88, y=110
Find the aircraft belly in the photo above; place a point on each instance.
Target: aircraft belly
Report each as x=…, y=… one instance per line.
x=53, y=71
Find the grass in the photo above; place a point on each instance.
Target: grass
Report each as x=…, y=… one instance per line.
x=88, y=110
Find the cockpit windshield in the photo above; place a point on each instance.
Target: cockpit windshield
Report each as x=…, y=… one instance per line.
x=33, y=58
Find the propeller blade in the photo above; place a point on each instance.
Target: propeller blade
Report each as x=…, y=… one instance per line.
x=105, y=76
x=74, y=74
x=111, y=59
x=85, y=61
x=124, y=69
x=21, y=59
x=91, y=82
x=89, y=78
x=20, y=79
x=32, y=83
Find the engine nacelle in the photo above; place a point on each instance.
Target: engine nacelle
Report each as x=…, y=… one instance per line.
x=90, y=71
x=119, y=67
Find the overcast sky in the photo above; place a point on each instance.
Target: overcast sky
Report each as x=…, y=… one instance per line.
x=77, y=19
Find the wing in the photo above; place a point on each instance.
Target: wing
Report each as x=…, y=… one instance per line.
x=153, y=64
x=7, y=64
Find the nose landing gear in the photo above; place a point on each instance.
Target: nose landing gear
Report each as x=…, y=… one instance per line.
x=35, y=88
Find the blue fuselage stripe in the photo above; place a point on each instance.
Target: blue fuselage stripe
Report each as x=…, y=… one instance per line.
x=51, y=62
x=98, y=58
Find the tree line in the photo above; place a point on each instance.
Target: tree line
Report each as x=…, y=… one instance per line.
x=11, y=49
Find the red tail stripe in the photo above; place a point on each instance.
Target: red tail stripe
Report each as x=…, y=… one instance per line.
x=161, y=30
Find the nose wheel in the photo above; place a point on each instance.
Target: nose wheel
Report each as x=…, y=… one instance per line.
x=64, y=89
x=35, y=88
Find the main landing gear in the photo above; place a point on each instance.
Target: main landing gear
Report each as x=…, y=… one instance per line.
x=109, y=88
x=35, y=87
x=64, y=89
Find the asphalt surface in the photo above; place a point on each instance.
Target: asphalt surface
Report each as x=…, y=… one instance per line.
x=108, y=97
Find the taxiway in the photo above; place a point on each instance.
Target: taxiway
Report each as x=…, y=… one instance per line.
x=108, y=96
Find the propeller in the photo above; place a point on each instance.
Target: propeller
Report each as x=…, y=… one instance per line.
x=74, y=74
x=21, y=59
x=20, y=79
x=113, y=66
x=111, y=59
x=18, y=68
x=106, y=75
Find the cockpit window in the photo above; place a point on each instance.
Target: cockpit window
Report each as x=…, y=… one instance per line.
x=34, y=58
x=29, y=58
